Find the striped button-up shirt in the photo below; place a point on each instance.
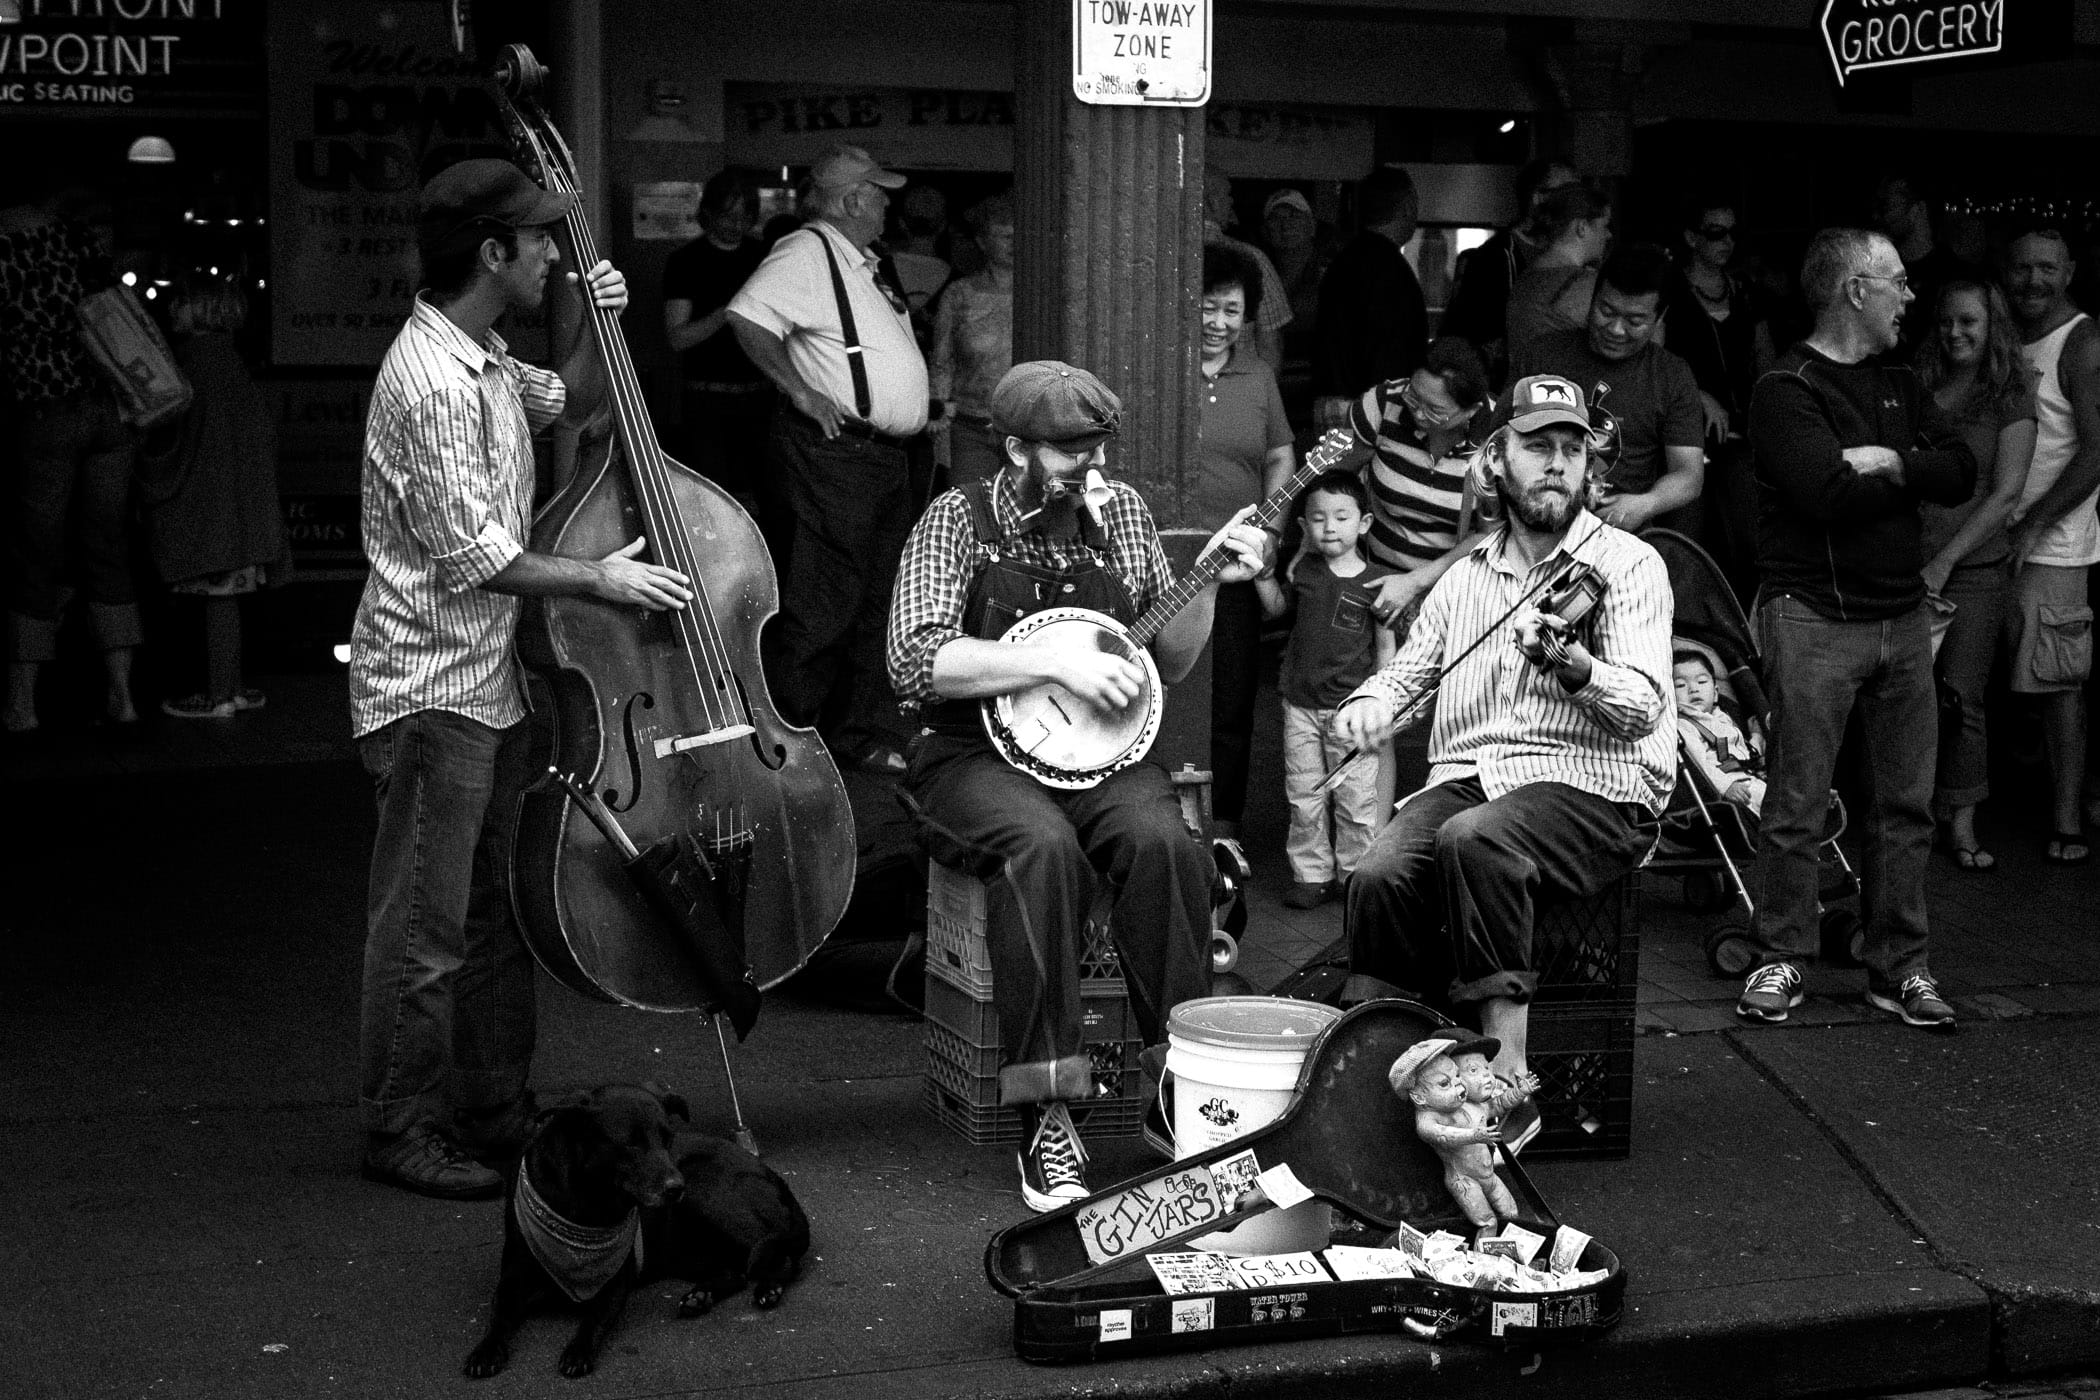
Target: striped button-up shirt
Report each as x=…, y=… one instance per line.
x=933, y=582
x=447, y=503
x=1504, y=719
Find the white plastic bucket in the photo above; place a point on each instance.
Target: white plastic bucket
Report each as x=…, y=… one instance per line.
x=1235, y=1062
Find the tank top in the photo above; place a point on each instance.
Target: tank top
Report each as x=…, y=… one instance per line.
x=2074, y=540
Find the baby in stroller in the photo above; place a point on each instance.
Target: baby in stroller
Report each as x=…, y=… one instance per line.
x=1728, y=749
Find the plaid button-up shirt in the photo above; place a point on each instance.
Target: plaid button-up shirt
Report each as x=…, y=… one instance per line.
x=1501, y=717
x=448, y=484
x=933, y=580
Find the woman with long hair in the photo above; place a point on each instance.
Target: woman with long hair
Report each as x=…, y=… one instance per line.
x=1571, y=228
x=1971, y=364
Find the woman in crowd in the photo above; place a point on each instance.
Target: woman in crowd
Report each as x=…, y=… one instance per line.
x=1720, y=332
x=1980, y=383
x=1245, y=453
x=1422, y=431
x=212, y=517
x=1571, y=228
x=973, y=343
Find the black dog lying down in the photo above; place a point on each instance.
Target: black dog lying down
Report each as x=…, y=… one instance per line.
x=609, y=1193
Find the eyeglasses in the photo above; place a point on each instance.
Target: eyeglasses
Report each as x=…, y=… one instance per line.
x=1425, y=415
x=1714, y=233
x=1900, y=279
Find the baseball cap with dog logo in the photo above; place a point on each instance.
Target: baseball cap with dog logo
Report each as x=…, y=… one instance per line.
x=1541, y=399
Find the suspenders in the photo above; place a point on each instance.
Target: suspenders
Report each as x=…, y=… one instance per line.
x=861, y=401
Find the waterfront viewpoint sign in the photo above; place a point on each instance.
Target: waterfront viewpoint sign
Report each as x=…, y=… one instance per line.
x=1863, y=35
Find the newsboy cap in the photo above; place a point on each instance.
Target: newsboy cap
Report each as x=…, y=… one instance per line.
x=485, y=196
x=1051, y=401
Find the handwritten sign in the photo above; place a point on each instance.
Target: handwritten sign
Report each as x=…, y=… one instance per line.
x=1141, y=53
x=1869, y=34
x=1130, y=1221
x=1278, y=1270
x=1193, y=1271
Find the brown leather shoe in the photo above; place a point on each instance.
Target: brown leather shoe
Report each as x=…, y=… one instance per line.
x=427, y=1162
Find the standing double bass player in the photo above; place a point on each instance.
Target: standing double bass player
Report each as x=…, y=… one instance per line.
x=437, y=698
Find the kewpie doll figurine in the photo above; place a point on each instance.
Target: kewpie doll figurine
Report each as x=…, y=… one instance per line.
x=1731, y=760
x=1456, y=1127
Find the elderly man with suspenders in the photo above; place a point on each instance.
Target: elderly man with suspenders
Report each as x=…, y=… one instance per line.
x=835, y=338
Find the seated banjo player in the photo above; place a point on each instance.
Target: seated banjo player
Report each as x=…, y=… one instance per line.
x=982, y=557
x=1551, y=752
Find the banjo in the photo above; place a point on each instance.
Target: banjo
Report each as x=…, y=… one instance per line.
x=1065, y=742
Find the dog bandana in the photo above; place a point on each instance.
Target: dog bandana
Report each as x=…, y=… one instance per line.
x=581, y=1259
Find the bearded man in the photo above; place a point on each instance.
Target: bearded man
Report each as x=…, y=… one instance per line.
x=1550, y=758
x=982, y=557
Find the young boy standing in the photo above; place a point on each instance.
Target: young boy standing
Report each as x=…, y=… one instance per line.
x=1335, y=643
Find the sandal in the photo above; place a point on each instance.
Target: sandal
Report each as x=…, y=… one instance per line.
x=2062, y=843
x=1974, y=858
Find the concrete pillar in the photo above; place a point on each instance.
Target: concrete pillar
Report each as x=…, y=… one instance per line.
x=1109, y=247
x=1108, y=269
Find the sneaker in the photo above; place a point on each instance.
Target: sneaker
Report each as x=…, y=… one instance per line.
x=427, y=1162
x=1770, y=992
x=199, y=707
x=1053, y=1164
x=1919, y=1003
x=1304, y=895
x=249, y=699
x=1520, y=1125
x=1158, y=1128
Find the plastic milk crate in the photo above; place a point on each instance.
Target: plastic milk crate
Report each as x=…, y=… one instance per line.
x=1583, y=1056
x=1588, y=951
x=962, y=1028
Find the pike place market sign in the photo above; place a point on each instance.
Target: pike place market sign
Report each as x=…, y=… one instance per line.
x=1863, y=35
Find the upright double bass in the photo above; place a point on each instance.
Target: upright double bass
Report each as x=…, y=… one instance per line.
x=665, y=735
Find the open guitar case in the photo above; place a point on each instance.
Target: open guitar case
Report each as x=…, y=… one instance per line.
x=1083, y=1291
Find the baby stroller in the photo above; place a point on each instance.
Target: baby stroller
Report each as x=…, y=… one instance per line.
x=1706, y=838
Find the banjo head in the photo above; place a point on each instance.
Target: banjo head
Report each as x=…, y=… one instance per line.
x=1052, y=734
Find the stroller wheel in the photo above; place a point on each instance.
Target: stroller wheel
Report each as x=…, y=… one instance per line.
x=1729, y=951
x=1844, y=938
x=1704, y=893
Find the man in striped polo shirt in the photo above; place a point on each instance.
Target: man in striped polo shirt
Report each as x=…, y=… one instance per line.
x=437, y=702
x=1549, y=759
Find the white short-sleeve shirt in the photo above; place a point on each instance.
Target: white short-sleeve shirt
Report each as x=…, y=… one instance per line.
x=791, y=295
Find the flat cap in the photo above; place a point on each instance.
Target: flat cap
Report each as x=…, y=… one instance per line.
x=843, y=166
x=1465, y=1042
x=1414, y=1059
x=485, y=195
x=1051, y=401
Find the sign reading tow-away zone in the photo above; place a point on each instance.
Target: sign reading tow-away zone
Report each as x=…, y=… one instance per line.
x=1868, y=34
x=1141, y=52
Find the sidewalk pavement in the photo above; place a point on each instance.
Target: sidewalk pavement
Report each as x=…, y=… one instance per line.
x=1839, y=1205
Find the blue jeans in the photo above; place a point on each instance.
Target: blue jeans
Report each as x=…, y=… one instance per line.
x=1816, y=670
x=448, y=1016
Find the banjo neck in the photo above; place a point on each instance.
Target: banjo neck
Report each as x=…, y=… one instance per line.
x=1333, y=445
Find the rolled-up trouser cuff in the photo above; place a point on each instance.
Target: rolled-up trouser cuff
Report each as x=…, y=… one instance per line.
x=35, y=638
x=1516, y=986
x=1045, y=1081
x=116, y=625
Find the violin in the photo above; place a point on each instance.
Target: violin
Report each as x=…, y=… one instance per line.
x=1566, y=612
x=688, y=846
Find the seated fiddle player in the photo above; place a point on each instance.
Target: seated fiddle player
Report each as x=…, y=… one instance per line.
x=983, y=556
x=1549, y=759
